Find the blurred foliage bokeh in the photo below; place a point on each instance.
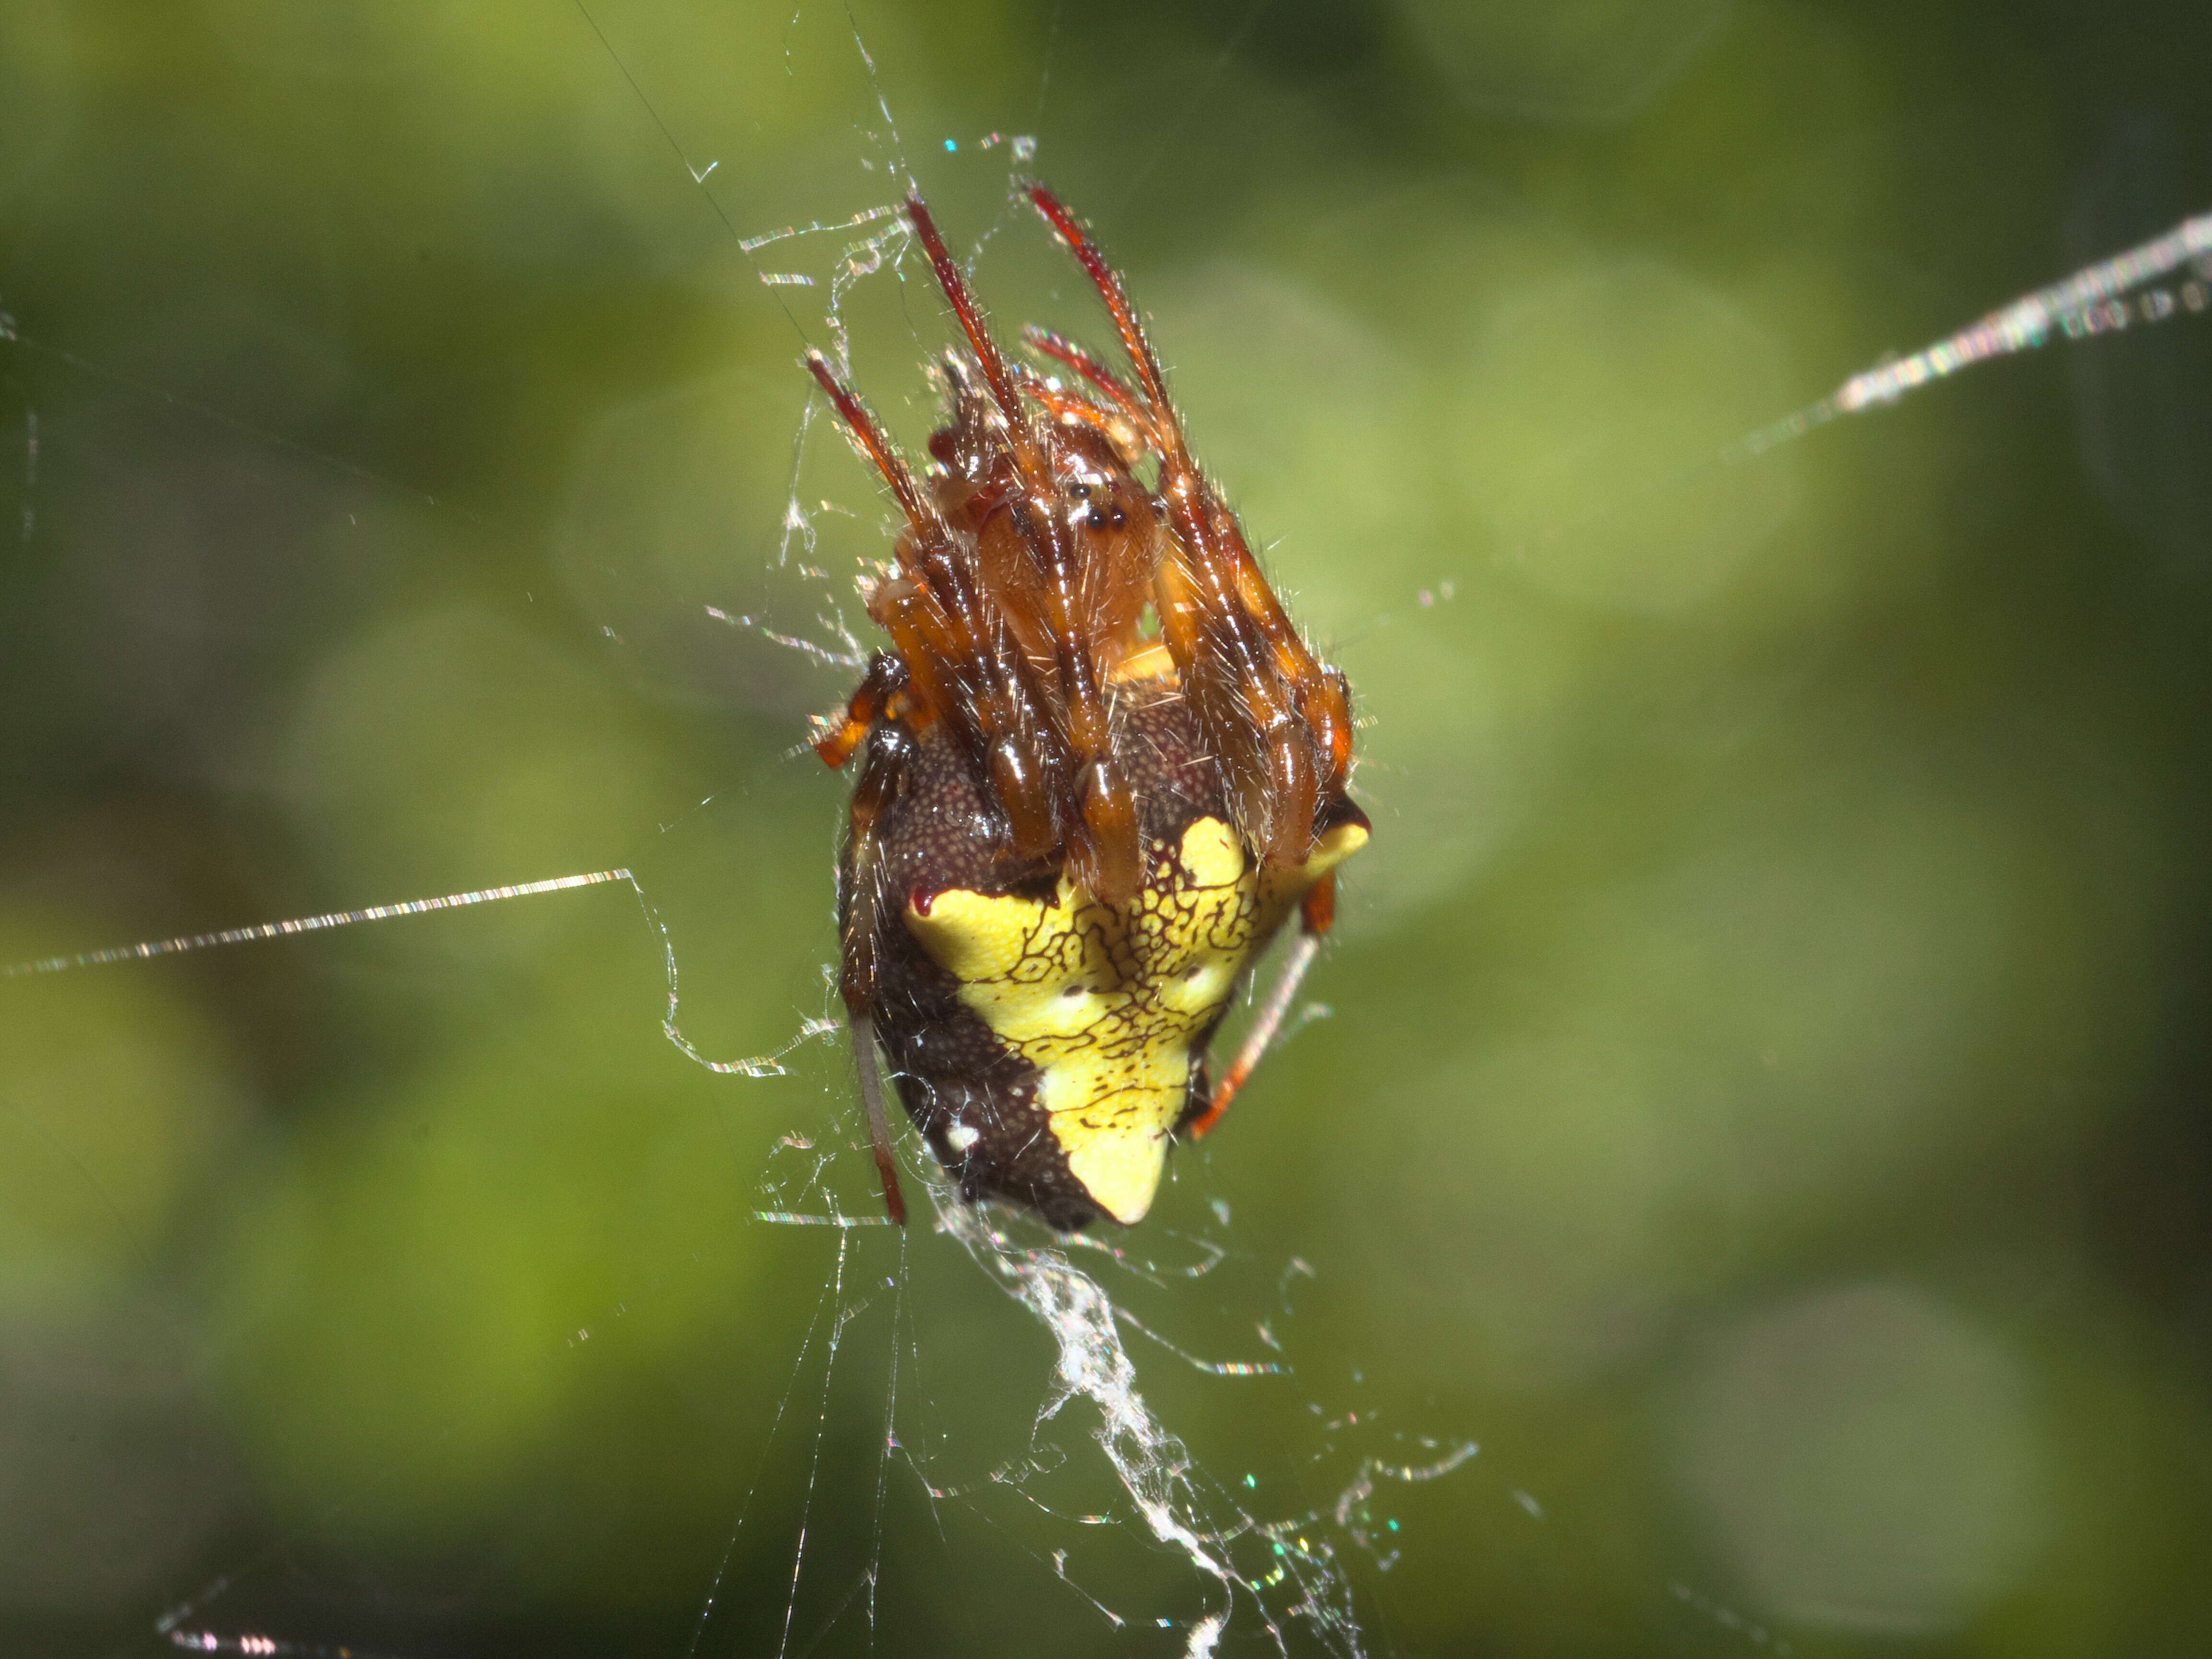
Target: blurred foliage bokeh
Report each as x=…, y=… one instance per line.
x=1764, y=1103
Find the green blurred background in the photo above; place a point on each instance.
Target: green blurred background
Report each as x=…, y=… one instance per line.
x=1764, y=1104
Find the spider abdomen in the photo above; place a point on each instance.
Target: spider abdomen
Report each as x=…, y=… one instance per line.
x=1047, y=1045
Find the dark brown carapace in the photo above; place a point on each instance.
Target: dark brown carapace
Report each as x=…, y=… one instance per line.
x=1068, y=841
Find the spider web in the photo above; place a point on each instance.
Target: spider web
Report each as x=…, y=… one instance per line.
x=1280, y=1573
x=979, y=1392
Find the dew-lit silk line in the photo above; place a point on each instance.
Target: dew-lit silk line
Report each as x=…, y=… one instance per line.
x=2024, y=325
x=768, y=1064
x=793, y=1218
x=312, y=924
x=866, y=216
x=1216, y=1367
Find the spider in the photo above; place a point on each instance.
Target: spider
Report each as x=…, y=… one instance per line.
x=1097, y=770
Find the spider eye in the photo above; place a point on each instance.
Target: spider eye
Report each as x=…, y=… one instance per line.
x=1094, y=520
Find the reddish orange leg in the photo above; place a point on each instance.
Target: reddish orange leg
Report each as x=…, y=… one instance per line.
x=1281, y=704
x=1104, y=848
x=1319, y=911
x=886, y=678
x=879, y=1122
x=879, y=780
x=1101, y=377
x=998, y=728
x=1062, y=404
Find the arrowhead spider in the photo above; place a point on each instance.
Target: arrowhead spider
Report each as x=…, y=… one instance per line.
x=1070, y=836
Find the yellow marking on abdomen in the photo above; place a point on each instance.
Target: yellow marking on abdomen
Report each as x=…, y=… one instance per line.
x=1106, y=1000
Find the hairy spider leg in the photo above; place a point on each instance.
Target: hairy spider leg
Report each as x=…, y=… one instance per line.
x=870, y=1065
x=891, y=746
x=1220, y=612
x=1287, y=719
x=871, y=700
x=947, y=630
x=923, y=619
x=1121, y=568
x=1126, y=439
x=1319, y=911
x=1103, y=845
x=1101, y=377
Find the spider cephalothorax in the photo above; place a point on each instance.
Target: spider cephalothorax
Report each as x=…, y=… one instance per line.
x=1069, y=841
